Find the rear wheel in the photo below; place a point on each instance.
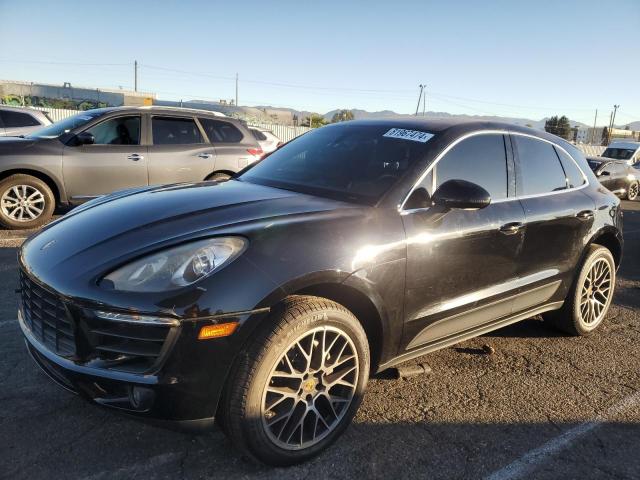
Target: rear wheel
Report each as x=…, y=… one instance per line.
x=298, y=384
x=25, y=202
x=633, y=190
x=588, y=301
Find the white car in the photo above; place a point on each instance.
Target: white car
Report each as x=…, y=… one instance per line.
x=267, y=140
x=16, y=121
x=628, y=151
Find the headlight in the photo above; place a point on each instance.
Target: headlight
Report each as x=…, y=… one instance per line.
x=176, y=267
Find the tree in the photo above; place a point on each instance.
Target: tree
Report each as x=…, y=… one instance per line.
x=342, y=116
x=314, y=121
x=558, y=126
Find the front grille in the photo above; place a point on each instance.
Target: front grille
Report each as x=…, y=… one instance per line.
x=46, y=316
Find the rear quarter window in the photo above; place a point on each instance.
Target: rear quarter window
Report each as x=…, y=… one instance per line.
x=18, y=119
x=220, y=131
x=575, y=178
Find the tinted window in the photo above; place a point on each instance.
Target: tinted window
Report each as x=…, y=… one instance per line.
x=221, y=132
x=573, y=173
x=117, y=131
x=618, y=153
x=258, y=135
x=540, y=168
x=17, y=119
x=480, y=159
x=349, y=162
x=175, y=131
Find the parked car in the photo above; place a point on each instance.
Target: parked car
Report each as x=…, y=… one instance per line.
x=627, y=151
x=99, y=151
x=264, y=302
x=617, y=176
x=266, y=138
x=16, y=121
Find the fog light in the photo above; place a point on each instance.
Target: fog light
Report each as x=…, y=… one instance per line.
x=141, y=398
x=217, y=331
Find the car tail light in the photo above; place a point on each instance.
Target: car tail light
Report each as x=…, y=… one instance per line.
x=256, y=153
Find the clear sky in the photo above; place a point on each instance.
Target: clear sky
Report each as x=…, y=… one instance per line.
x=514, y=58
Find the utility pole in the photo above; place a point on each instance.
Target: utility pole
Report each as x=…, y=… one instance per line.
x=424, y=101
x=615, y=110
x=609, y=130
x=135, y=75
x=593, y=132
x=419, y=98
x=237, y=90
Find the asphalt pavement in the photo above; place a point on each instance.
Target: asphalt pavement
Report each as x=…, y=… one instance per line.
x=542, y=405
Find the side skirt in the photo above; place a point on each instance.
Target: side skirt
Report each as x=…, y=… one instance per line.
x=468, y=334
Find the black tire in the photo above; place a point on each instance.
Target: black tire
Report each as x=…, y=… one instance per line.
x=632, y=191
x=9, y=217
x=252, y=376
x=219, y=177
x=569, y=319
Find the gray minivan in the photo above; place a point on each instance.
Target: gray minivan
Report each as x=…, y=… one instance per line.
x=100, y=151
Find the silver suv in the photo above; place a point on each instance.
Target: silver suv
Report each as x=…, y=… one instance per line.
x=16, y=121
x=99, y=151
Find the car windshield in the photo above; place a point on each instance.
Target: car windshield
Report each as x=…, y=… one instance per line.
x=357, y=163
x=63, y=126
x=619, y=153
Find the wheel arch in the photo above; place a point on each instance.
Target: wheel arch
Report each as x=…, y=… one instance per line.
x=611, y=239
x=46, y=178
x=226, y=172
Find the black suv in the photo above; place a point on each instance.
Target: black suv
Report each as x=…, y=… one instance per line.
x=617, y=175
x=265, y=302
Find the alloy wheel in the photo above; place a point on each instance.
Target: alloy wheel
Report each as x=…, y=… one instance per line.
x=310, y=388
x=596, y=292
x=633, y=191
x=22, y=203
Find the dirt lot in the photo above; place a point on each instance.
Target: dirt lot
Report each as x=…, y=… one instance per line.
x=542, y=406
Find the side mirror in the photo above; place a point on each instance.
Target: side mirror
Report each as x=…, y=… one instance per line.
x=460, y=194
x=419, y=198
x=85, y=138
x=603, y=173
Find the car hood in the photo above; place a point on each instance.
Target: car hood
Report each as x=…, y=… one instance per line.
x=113, y=229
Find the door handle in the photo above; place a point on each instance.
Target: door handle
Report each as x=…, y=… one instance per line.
x=511, y=228
x=585, y=215
x=205, y=155
x=135, y=157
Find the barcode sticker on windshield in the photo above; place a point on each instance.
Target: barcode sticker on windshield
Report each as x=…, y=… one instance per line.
x=413, y=135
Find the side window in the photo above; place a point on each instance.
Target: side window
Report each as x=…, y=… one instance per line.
x=18, y=119
x=117, y=131
x=175, y=131
x=481, y=159
x=573, y=173
x=540, y=168
x=220, y=131
x=258, y=135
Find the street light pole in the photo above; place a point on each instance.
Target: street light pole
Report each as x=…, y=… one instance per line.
x=419, y=98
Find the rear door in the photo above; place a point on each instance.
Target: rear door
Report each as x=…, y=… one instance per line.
x=558, y=214
x=178, y=150
x=116, y=160
x=235, y=146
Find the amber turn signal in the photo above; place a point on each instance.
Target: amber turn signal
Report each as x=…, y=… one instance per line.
x=217, y=331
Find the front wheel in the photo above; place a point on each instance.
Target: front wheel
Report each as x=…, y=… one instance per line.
x=298, y=384
x=25, y=202
x=633, y=190
x=590, y=297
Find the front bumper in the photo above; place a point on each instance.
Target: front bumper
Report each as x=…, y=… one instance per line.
x=184, y=391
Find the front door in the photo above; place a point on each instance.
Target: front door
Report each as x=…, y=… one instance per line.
x=462, y=268
x=178, y=151
x=116, y=160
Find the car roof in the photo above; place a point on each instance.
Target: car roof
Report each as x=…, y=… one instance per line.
x=162, y=109
x=630, y=145
x=9, y=108
x=456, y=126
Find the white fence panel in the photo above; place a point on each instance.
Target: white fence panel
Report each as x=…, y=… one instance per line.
x=57, y=114
x=591, y=150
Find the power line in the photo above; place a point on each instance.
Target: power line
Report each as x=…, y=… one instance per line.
x=38, y=62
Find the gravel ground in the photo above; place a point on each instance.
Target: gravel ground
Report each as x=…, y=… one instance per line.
x=542, y=406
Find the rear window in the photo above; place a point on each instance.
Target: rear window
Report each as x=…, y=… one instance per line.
x=17, y=119
x=220, y=131
x=358, y=163
x=258, y=135
x=175, y=131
